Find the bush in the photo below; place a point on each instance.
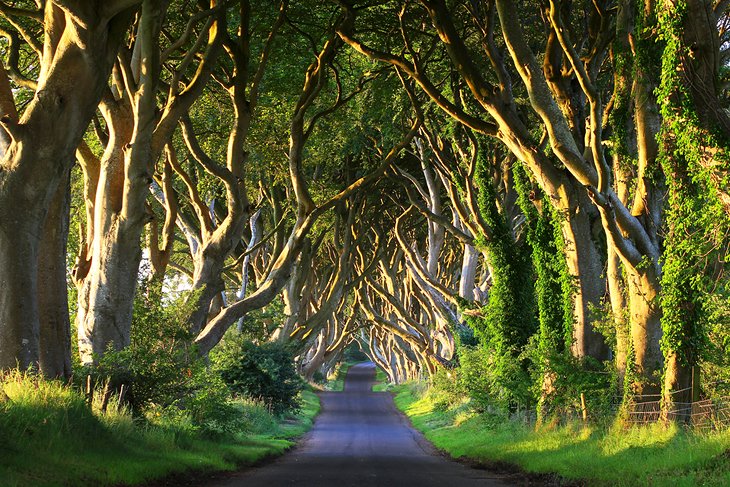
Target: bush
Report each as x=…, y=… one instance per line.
x=446, y=390
x=265, y=372
x=168, y=383
x=493, y=381
x=571, y=377
x=161, y=365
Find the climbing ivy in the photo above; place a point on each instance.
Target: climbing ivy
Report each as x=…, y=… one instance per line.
x=509, y=319
x=624, y=66
x=697, y=227
x=553, y=284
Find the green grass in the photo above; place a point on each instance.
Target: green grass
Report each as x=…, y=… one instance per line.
x=51, y=437
x=338, y=383
x=381, y=381
x=640, y=456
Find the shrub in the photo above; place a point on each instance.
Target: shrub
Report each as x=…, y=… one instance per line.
x=474, y=377
x=168, y=383
x=265, y=372
x=160, y=366
x=493, y=380
x=446, y=390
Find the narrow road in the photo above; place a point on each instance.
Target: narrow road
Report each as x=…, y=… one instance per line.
x=360, y=439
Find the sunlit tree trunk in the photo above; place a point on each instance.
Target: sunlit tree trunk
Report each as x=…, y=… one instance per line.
x=117, y=251
x=79, y=48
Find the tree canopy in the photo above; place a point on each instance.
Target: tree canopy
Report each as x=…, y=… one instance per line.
x=542, y=187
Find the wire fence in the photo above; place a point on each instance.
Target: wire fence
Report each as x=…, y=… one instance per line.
x=704, y=414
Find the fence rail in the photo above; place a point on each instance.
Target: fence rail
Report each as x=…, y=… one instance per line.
x=705, y=414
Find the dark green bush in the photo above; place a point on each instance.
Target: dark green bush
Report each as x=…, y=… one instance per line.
x=160, y=366
x=166, y=379
x=265, y=372
x=318, y=377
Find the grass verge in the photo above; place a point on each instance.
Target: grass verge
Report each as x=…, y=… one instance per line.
x=337, y=384
x=381, y=381
x=52, y=437
x=640, y=456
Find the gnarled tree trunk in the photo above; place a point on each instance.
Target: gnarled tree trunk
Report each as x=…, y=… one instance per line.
x=79, y=48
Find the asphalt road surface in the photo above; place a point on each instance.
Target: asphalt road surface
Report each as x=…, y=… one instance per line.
x=361, y=440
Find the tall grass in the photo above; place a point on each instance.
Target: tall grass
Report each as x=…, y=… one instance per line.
x=613, y=455
x=336, y=381
x=381, y=381
x=50, y=436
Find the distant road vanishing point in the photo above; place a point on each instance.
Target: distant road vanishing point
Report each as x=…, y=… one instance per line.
x=361, y=440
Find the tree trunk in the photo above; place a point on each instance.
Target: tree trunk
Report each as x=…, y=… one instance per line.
x=618, y=312
x=99, y=300
x=75, y=68
x=55, y=326
x=646, y=331
x=292, y=293
x=109, y=292
x=584, y=265
x=316, y=361
x=207, y=281
x=19, y=317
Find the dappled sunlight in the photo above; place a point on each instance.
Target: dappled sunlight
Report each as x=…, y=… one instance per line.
x=650, y=436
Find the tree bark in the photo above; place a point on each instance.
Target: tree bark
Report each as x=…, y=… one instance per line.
x=79, y=50
x=99, y=300
x=117, y=256
x=646, y=331
x=55, y=325
x=585, y=266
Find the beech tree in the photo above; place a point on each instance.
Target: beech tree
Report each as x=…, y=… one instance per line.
x=438, y=181
x=78, y=48
x=106, y=272
x=494, y=104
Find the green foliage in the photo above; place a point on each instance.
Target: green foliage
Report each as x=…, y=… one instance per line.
x=494, y=382
x=264, y=372
x=567, y=381
x=166, y=380
x=604, y=455
x=353, y=353
x=697, y=227
x=50, y=423
x=446, y=389
x=259, y=324
x=715, y=378
x=554, y=286
x=510, y=316
x=510, y=313
x=464, y=336
x=483, y=381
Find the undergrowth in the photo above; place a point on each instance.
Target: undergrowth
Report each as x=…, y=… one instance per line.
x=609, y=454
x=51, y=436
